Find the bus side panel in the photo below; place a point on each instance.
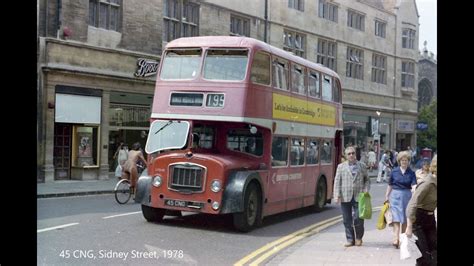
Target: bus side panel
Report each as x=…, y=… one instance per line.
x=276, y=191
x=328, y=171
x=311, y=175
x=295, y=189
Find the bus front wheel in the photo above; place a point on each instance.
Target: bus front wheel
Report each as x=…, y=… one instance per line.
x=152, y=214
x=250, y=217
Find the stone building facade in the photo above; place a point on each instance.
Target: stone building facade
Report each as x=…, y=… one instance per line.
x=427, y=78
x=92, y=57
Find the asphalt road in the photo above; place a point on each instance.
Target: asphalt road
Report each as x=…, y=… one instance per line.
x=95, y=230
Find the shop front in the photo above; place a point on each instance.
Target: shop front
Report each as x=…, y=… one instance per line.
x=91, y=98
x=76, y=143
x=129, y=116
x=367, y=132
x=405, y=134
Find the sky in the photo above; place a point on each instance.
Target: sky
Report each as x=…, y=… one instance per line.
x=428, y=24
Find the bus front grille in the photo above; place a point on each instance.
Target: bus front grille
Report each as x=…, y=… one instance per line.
x=187, y=177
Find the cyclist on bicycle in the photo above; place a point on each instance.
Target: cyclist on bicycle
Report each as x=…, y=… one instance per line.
x=130, y=170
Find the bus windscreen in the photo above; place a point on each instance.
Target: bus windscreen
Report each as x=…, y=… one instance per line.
x=225, y=64
x=181, y=64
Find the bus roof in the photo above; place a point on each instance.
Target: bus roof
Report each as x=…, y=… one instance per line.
x=238, y=41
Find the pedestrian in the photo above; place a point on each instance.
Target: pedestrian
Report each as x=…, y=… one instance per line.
x=421, y=216
x=122, y=155
x=402, y=181
x=424, y=171
x=351, y=179
x=372, y=159
x=130, y=170
x=384, y=167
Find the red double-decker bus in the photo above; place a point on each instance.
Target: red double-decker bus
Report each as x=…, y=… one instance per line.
x=239, y=126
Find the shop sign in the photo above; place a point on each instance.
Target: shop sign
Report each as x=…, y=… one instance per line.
x=146, y=67
x=422, y=126
x=406, y=125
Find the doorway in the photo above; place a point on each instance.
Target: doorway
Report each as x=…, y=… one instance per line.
x=62, y=151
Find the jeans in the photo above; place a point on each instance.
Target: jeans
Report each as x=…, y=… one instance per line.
x=350, y=216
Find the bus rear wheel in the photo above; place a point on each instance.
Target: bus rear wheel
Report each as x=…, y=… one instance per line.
x=248, y=219
x=152, y=214
x=320, y=197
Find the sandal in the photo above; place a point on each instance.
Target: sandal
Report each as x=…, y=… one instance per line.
x=396, y=244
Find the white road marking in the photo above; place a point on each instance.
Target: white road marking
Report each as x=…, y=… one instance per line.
x=123, y=214
x=55, y=227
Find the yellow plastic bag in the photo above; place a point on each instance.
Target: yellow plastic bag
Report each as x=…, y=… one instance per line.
x=381, y=223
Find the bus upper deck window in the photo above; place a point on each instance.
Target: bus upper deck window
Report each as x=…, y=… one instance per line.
x=181, y=64
x=225, y=64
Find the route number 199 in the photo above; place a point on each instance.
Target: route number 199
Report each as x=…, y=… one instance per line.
x=215, y=100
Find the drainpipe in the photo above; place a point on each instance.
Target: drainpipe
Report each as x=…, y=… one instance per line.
x=58, y=17
x=266, y=21
x=394, y=137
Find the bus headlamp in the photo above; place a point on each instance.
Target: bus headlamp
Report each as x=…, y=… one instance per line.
x=157, y=181
x=216, y=186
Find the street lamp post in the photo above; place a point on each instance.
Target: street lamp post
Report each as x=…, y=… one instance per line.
x=376, y=133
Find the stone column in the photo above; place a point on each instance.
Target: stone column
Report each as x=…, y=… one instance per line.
x=104, y=137
x=48, y=167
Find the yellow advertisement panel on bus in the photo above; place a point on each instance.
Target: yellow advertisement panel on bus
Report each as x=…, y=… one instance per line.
x=290, y=108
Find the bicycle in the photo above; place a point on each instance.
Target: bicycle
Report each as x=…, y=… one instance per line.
x=123, y=190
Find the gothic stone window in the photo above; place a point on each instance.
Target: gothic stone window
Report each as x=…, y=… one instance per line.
x=239, y=26
x=327, y=10
x=379, y=66
x=181, y=19
x=408, y=38
x=105, y=14
x=408, y=74
x=294, y=42
x=355, y=63
x=326, y=53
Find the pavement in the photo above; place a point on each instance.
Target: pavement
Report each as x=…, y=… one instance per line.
x=67, y=188
x=323, y=248
x=327, y=248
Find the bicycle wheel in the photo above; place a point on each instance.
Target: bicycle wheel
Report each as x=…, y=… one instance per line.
x=122, y=191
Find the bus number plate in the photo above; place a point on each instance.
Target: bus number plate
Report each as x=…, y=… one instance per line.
x=215, y=100
x=175, y=203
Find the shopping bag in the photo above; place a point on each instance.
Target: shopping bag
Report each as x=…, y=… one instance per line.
x=408, y=247
x=118, y=171
x=365, y=206
x=381, y=223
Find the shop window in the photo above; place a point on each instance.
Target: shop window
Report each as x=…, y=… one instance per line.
x=85, y=146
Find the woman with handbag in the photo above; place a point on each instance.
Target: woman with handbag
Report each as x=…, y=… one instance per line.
x=421, y=218
x=402, y=181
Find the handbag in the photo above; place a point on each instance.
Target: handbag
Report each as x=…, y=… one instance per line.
x=365, y=206
x=381, y=222
x=118, y=171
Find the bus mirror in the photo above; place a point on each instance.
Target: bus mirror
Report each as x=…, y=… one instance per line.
x=253, y=130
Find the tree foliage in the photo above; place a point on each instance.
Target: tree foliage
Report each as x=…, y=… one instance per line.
x=428, y=138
